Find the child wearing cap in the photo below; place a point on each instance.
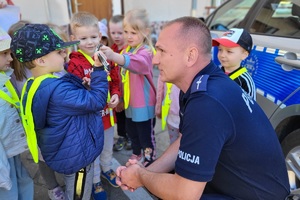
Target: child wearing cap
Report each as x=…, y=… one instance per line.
x=15, y=181
x=18, y=78
x=235, y=46
x=103, y=30
x=59, y=114
x=84, y=27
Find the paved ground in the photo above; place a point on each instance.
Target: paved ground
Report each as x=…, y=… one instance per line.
x=120, y=158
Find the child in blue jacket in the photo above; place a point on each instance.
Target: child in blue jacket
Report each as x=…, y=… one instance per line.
x=60, y=114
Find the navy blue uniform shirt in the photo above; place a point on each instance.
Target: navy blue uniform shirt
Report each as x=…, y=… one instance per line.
x=228, y=141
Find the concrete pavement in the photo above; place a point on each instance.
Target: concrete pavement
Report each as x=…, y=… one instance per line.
x=120, y=158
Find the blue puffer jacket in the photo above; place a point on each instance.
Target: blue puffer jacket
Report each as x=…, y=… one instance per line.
x=67, y=120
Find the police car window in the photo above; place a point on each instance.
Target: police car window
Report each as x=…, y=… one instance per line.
x=230, y=15
x=279, y=18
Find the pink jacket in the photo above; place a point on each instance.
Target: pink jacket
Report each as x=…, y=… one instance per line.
x=142, y=90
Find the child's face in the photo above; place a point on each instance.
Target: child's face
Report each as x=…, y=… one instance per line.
x=54, y=61
x=116, y=33
x=5, y=59
x=231, y=58
x=133, y=37
x=89, y=38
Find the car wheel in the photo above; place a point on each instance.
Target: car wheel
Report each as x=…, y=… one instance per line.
x=291, y=149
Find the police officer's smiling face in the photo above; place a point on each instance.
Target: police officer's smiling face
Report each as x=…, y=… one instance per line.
x=169, y=57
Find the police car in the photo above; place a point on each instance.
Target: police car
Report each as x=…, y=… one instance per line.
x=273, y=64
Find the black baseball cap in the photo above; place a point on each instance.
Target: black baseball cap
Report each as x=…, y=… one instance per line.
x=233, y=38
x=36, y=40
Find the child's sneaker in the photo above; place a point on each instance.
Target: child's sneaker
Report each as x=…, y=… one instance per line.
x=110, y=176
x=148, y=157
x=56, y=194
x=98, y=192
x=128, y=144
x=118, y=146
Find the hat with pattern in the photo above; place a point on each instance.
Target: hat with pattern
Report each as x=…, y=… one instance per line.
x=233, y=38
x=36, y=40
x=4, y=40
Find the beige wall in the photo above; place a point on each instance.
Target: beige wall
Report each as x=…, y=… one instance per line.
x=164, y=10
x=44, y=11
x=56, y=11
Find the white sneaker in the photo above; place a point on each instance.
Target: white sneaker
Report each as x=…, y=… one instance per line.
x=56, y=194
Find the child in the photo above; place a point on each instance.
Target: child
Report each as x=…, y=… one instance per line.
x=59, y=113
x=235, y=46
x=15, y=181
x=167, y=107
x=84, y=27
x=116, y=33
x=19, y=77
x=103, y=30
x=21, y=73
x=139, y=90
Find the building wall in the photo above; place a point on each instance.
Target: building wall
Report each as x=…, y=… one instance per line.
x=56, y=11
x=164, y=10
x=44, y=11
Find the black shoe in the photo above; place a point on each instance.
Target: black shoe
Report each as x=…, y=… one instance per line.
x=128, y=144
x=119, y=145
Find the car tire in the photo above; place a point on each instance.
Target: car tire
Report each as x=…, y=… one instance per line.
x=291, y=150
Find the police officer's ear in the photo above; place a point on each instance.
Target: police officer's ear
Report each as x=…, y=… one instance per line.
x=192, y=56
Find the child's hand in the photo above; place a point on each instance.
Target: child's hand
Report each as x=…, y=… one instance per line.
x=114, y=100
x=108, y=52
x=120, y=107
x=86, y=81
x=97, y=61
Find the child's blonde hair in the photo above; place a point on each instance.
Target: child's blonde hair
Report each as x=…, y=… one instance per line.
x=80, y=19
x=59, y=30
x=139, y=21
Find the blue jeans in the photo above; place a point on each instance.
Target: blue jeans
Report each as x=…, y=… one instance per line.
x=22, y=183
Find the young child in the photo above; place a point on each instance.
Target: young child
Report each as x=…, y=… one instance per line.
x=167, y=107
x=15, y=181
x=18, y=78
x=103, y=30
x=84, y=27
x=137, y=78
x=235, y=46
x=117, y=36
x=60, y=113
x=21, y=73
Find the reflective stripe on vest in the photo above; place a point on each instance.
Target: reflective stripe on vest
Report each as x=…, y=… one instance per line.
x=125, y=76
x=238, y=73
x=14, y=99
x=166, y=106
x=111, y=114
x=26, y=113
